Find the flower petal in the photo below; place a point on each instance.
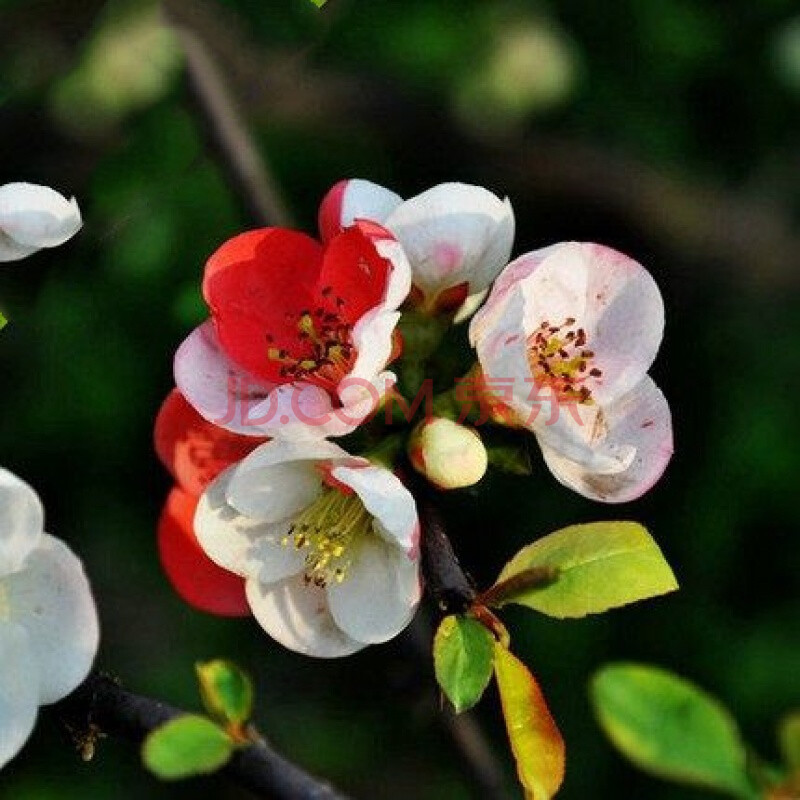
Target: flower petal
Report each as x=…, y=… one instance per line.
x=296, y=614
x=21, y=521
x=194, y=576
x=248, y=547
x=354, y=199
x=280, y=478
x=37, y=216
x=626, y=458
x=454, y=233
x=379, y=595
x=256, y=284
x=50, y=597
x=373, y=338
x=221, y=392
x=387, y=499
x=191, y=448
x=13, y=251
x=19, y=699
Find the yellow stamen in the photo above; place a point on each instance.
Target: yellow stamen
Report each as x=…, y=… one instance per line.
x=327, y=530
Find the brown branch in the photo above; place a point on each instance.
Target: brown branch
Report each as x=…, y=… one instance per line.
x=101, y=706
x=244, y=166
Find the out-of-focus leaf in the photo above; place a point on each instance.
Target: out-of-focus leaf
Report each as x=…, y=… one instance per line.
x=509, y=458
x=462, y=658
x=186, y=746
x=535, y=739
x=669, y=727
x=226, y=690
x=599, y=566
x=789, y=739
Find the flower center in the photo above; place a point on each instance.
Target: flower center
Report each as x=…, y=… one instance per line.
x=326, y=532
x=324, y=352
x=559, y=358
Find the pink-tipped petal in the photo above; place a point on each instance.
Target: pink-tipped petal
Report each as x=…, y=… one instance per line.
x=354, y=199
x=622, y=455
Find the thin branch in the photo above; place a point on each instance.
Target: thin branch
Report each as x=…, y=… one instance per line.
x=101, y=706
x=245, y=167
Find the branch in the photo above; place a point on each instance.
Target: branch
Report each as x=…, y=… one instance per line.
x=245, y=168
x=101, y=706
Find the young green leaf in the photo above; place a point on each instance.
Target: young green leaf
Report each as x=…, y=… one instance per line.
x=535, y=739
x=598, y=566
x=186, y=746
x=227, y=692
x=669, y=727
x=462, y=659
x=789, y=738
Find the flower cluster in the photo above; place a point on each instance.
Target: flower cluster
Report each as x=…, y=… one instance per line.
x=309, y=340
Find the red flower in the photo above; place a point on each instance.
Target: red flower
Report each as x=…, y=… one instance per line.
x=288, y=311
x=195, y=452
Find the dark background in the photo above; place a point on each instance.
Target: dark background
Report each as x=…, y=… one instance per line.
x=665, y=128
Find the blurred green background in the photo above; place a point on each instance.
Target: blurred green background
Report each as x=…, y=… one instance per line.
x=665, y=128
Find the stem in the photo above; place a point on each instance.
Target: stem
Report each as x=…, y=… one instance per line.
x=101, y=706
x=244, y=166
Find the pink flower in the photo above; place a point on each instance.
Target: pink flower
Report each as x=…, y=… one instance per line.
x=572, y=329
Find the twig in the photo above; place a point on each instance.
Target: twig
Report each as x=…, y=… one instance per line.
x=245, y=168
x=452, y=591
x=100, y=705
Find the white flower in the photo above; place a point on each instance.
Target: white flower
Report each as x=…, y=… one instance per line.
x=33, y=217
x=457, y=237
x=48, y=622
x=328, y=545
x=564, y=342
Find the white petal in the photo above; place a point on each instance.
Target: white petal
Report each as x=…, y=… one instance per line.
x=37, y=216
x=470, y=306
x=379, y=595
x=13, y=251
x=280, y=478
x=19, y=696
x=636, y=435
x=387, y=499
x=296, y=614
x=240, y=544
x=372, y=337
x=51, y=598
x=400, y=278
x=222, y=392
x=454, y=233
x=21, y=521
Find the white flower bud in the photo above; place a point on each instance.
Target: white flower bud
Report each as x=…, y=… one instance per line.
x=449, y=455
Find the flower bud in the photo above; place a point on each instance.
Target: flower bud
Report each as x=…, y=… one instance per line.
x=449, y=455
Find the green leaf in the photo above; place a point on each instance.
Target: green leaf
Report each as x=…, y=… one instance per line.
x=186, y=746
x=535, y=739
x=227, y=692
x=462, y=658
x=789, y=738
x=599, y=566
x=3, y=321
x=671, y=728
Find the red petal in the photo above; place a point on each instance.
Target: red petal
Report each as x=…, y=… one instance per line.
x=354, y=271
x=330, y=211
x=197, y=579
x=256, y=285
x=192, y=449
